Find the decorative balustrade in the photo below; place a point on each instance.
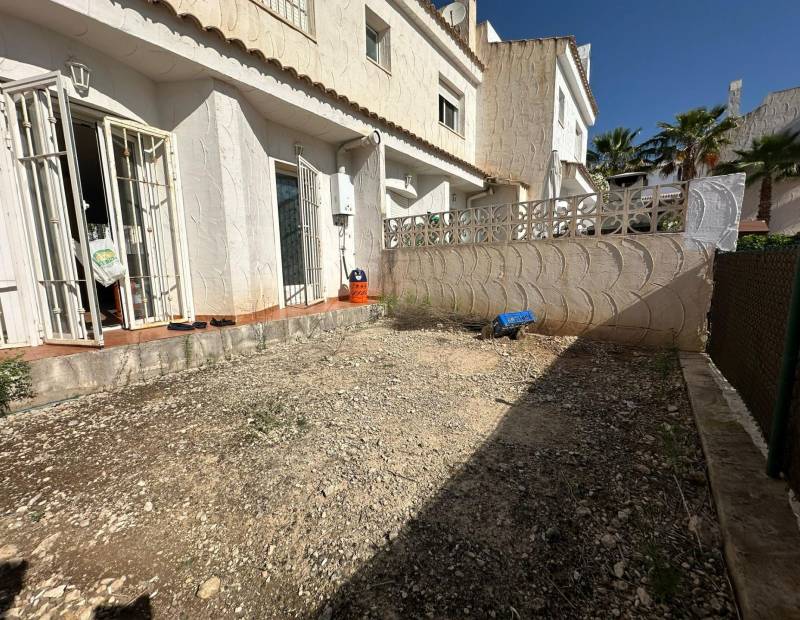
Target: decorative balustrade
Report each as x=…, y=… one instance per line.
x=633, y=211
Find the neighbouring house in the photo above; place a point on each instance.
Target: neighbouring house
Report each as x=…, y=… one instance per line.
x=535, y=110
x=780, y=111
x=241, y=155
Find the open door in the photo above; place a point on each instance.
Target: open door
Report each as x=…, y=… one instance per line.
x=148, y=223
x=41, y=128
x=308, y=187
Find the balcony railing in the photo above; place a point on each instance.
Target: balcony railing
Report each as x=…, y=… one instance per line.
x=633, y=211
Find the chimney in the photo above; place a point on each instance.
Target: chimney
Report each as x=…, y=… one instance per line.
x=734, y=97
x=585, y=54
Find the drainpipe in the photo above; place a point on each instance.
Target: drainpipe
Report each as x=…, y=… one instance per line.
x=483, y=194
x=372, y=139
x=783, y=402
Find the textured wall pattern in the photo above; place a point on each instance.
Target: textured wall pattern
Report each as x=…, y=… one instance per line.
x=779, y=111
x=515, y=106
x=336, y=58
x=651, y=290
x=715, y=206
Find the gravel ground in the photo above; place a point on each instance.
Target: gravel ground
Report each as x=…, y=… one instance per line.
x=372, y=472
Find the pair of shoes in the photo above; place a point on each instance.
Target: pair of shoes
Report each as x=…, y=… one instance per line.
x=222, y=322
x=187, y=327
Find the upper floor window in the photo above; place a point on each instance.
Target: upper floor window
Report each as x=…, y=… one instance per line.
x=298, y=13
x=451, y=107
x=377, y=40
x=562, y=104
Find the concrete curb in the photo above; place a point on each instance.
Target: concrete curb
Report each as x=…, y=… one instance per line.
x=68, y=376
x=759, y=529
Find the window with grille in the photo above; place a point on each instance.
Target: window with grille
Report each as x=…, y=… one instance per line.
x=298, y=13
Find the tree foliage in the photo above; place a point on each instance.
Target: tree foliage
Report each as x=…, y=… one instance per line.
x=694, y=139
x=614, y=152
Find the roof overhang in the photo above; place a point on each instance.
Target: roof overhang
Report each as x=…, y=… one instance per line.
x=574, y=77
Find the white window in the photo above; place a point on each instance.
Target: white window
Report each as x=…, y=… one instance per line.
x=451, y=105
x=298, y=13
x=578, y=142
x=378, y=40
x=562, y=102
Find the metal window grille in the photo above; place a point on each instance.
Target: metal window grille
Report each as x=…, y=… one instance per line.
x=43, y=144
x=149, y=221
x=308, y=187
x=636, y=211
x=296, y=12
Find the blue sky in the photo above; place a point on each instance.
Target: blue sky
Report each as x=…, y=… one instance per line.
x=652, y=59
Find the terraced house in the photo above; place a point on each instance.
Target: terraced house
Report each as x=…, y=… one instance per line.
x=164, y=160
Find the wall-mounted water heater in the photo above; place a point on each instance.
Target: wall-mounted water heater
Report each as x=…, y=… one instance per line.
x=343, y=194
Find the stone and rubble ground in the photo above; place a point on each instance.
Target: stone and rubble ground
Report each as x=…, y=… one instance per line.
x=371, y=472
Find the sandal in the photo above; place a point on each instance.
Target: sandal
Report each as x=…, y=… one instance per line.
x=180, y=327
x=199, y=324
x=222, y=322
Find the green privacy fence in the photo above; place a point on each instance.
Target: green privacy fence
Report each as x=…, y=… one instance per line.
x=753, y=342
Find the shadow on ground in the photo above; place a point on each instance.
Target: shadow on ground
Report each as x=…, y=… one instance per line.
x=12, y=579
x=138, y=609
x=584, y=472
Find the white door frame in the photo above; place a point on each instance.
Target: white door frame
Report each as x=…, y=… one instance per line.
x=178, y=237
x=310, y=199
x=64, y=255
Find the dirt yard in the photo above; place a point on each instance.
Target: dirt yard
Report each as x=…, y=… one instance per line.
x=368, y=473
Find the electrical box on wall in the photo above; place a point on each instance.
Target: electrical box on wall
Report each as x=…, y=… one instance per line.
x=343, y=194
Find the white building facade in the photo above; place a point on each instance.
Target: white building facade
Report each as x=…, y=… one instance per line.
x=234, y=155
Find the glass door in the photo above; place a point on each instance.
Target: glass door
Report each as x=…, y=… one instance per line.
x=308, y=186
x=149, y=223
x=41, y=128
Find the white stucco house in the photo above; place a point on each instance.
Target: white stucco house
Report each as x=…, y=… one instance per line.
x=778, y=112
x=240, y=155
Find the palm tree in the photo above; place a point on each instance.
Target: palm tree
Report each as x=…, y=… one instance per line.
x=695, y=138
x=771, y=158
x=613, y=152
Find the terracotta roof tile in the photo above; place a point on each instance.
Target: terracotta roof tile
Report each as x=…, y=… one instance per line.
x=332, y=94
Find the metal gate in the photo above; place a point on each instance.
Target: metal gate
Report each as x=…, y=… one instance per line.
x=148, y=223
x=41, y=126
x=308, y=187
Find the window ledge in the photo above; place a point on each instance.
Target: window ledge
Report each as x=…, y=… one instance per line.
x=311, y=37
x=380, y=66
x=451, y=130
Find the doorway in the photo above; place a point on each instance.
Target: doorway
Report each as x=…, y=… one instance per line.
x=291, y=238
x=97, y=192
x=297, y=190
x=98, y=217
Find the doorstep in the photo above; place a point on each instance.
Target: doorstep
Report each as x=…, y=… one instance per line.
x=67, y=373
x=760, y=531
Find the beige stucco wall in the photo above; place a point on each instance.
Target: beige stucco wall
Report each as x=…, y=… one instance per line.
x=650, y=290
x=515, y=106
x=647, y=290
x=780, y=111
x=336, y=57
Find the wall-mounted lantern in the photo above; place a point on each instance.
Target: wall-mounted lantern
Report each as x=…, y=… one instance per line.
x=80, y=74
